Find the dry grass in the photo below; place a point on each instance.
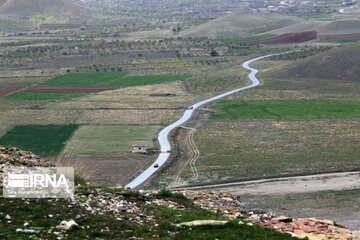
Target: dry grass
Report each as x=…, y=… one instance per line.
x=109, y=140
x=38, y=117
x=275, y=88
x=129, y=117
x=4, y=129
x=21, y=81
x=240, y=24
x=341, y=206
x=210, y=80
x=7, y=105
x=133, y=97
x=148, y=35
x=106, y=171
x=232, y=150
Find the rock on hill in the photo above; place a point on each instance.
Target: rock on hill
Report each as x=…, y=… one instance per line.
x=31, y=8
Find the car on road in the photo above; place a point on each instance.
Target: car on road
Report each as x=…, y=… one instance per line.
x=156, y=165
x=190, y=108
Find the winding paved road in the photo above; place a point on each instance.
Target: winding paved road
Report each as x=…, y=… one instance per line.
x=163, y=137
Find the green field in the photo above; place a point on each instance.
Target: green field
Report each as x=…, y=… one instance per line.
x=43, y=96
x=84, y=79
x=109, y=140
x=144, y=80
x=316, y=16
x=283, y=109
x=110, y=79
x=247, y=39
x=46, y=140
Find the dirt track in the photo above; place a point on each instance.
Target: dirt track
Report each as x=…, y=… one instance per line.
x=191, y=160
x=6, y=90
x=303, y=184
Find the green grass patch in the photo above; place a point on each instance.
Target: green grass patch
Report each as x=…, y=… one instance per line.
x=347, y=41
x=232, y=230
x=110, y=79
x=46, y=140
x=307, y=109
x=247, y=39
x=316, y=16
x=84, y=79
x=144, y=80
x=43, y=96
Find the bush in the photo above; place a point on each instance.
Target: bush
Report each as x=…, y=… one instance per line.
x=164, y=193
x=214, y=53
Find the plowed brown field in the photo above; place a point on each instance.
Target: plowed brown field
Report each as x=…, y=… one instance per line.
x=6, y=90
x=286, y=38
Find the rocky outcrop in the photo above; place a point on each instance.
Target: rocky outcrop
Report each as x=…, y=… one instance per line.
x=230, y=206
x=203, y=222
x=312, y=228
x=18, y=158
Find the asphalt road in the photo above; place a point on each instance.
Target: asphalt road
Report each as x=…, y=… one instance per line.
x=163, y=136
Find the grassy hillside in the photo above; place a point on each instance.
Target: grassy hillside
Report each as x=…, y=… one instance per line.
x=340, y=64
x=240, y=24
x=31, y=8
x=137, y=219
x=323, y=27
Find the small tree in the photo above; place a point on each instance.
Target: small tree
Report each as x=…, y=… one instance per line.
x=214, y=53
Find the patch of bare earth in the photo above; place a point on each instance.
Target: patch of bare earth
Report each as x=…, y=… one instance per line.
x=287, y=38
x=107, y=171
x=7, y=90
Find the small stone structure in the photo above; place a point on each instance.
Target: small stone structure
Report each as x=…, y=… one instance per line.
x=139, y=148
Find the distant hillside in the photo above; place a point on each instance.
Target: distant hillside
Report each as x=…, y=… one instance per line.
x=341, y=63
x=56, y=8
x=240, y=24
x=323, y=27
